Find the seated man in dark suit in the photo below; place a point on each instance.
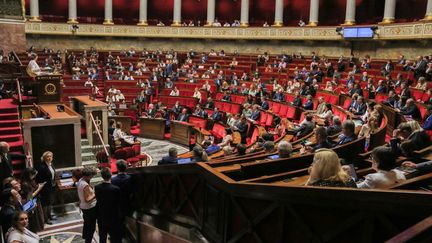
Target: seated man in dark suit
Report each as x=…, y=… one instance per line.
x=6, y=158
x=418, y=139
x=411, y=109
x=177, y=108
x=151, y=111
x=306, y=127
x=279, y=96
x=321, y=141
x=348, y=133
x=391, y=98
x=255, y=113
x=216, y=116
x=297, y=100
x=209, y=104
x=170, y=159
x=309, y=103
x=200, y=112
x=265, y=104
x=361, y=107
x=184, y=116
x=226, y=97
x=427, y=125
x=336, y=127
x=242, y=128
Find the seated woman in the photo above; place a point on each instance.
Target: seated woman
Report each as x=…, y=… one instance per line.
x=226, y=141
x=367, y=129
x=281, y=129
x=384, y=162
x=199, y=155
x=326, y=170
x=121, y=138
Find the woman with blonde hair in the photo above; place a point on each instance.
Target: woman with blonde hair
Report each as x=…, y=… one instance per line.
x=367, y=129
x=47, y=176
x=326, y=170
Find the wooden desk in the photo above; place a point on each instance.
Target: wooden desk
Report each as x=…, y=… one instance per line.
x=125, y=121
x=86, y=106
x=181, y=132
x=152, y=128
x=60, y=134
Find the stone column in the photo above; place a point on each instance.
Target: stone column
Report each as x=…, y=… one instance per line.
x=34, y=10
x=389, y=12
x=72, y=12
x=211, y=5
x=244, y=14
x=143, y=13
x=428, y=15
x=278, y=13
x=350, y=12
x=177, y=13
x=108, y=12
x=313, y=13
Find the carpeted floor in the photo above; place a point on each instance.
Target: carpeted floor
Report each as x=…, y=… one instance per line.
x=159, y=148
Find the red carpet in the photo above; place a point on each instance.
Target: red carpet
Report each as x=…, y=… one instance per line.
x=10, y=132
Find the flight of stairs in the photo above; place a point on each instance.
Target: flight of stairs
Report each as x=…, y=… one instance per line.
x=10, y=132
x=87, y=154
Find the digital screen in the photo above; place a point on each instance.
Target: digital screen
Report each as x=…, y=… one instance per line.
x=361, y=32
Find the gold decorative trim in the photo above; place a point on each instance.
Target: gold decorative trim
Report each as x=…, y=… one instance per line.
x=428, y=17
x=387, y=21
x=176, y=23
x=142, y=23
x=349, y=22
x=313, y=24
x=243, y=25
x=34, y=19
x=208, y=24
x=108, y=22
x=415, y=30
x=277, y=24
x=72, y=21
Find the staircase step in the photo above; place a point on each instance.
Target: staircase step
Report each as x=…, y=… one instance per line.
x=9, y=123
x=9, y=116
x=10, y=130
x=8, y=110
x=86, y=149
x=89, y=163
x=10, y=138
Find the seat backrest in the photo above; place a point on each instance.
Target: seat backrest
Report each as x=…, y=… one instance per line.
x=269, y=121
x=291, y=112
x=283, y=110
x=276, y=107
x=198, y=121
x=263, y=118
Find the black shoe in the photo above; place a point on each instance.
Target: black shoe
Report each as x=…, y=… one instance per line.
x=48, y=221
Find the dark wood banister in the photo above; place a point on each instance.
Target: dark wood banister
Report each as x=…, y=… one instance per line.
x=412, y=231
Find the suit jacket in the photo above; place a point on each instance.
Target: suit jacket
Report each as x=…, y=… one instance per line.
x=108, y=197
x=6, y=168
x=167, y=160
x=428, y=123
x=216, y=116
x=361, y=109
x=412, y=111
x=209, y=105
x=44, y=175
x=382, y=179
x=265, y=105
x=344, y=139
x=255, y=115
x=308, y=105
x=332, y=130
x=123, y=181
x=226, y=98
x=279, y=96
x=183, y=117
x=151, y=113
x=297, y=102
x=177, y=110
x=305, y=128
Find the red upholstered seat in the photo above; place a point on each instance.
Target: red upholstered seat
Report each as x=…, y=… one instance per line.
x=269, y=121
x=425, y=96
x=379, y=98
x=276, y=107
x=132, y=161
x=263, y=118
x=423, y=110
x=129, y=152
x=120, y=154
x=137, y=149
x=283, y=110
x=346, y=104
x=417, y=94
x=291, y=113
x=289, y=97
x=198, y=122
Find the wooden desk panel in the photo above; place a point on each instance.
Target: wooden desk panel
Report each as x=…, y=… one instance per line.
x=181, y=132
x=152, y=128
x=125, y=121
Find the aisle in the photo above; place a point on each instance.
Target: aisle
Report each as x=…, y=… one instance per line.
x=159, y=148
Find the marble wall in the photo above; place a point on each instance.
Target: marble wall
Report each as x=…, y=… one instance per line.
x=376, y=49
x=12, y=36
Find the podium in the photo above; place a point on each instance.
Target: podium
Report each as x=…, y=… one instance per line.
x=152, y=128
x=181, y=132
x=87, y=107
x=59, y=132
x=48, y=88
